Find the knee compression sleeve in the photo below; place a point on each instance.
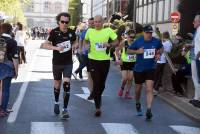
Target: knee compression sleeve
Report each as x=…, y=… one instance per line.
x=66, y=94
x=66, y=87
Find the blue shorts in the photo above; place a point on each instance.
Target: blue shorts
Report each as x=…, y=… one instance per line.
x=62, y=70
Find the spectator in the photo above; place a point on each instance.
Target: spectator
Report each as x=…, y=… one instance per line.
x=161, y=62
x=20, y=38
x=8, y=65
x=184, y=70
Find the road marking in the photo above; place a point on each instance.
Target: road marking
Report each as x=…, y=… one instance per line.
x=85, y=90
x=119, y=128
x=47, y=128
x=84, y=96
x=13, y=115
x=185, y=129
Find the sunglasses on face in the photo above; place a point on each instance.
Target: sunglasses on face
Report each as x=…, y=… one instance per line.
x=131, y=36
x=64, y=22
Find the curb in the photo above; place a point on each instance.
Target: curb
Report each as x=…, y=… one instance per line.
x=181, y=104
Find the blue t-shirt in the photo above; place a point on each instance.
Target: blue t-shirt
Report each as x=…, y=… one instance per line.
x=82, y=37
x=146, y=61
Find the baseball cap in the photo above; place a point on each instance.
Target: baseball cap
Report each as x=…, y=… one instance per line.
x=148, y=29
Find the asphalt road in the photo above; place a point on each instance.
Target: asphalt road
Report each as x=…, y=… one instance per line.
x=32, y=101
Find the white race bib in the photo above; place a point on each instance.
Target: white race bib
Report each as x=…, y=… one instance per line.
x=131, y=57
x=149, y=53
x=67, y=46
x=100, y=47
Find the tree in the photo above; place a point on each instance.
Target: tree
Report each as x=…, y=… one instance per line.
x=75, y=10
x=13, y=8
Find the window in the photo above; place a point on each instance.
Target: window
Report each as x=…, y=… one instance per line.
x=145, y=15
x=149, y=13
x=47, y=6
x=167, y=10
x=160, y=11
x=172, y=5
x=140, y=2
x=145, y=1
x=137, y=16
x=154, y=12
x=140, y=15
x=58, y=7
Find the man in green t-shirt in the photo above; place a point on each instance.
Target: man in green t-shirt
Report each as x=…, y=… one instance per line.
x=99, y=58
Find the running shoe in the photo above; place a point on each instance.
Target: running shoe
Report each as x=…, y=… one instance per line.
x=149, y=115
x=56, y=109
x=65, y=114
x=75, y=75
x=120, y=93
x=128, y=96
x=98, y=113
x=155, y=92
x=90, y=97
x=139, y=109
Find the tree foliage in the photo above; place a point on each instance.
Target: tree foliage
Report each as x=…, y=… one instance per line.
x=13, y=9
x=75, y=10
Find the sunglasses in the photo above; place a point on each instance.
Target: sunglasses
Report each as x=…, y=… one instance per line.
x=131, y=36
x=64, y=22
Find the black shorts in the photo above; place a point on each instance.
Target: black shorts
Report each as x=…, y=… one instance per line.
x=141, y=77
x=127, y=66
x=62, y=70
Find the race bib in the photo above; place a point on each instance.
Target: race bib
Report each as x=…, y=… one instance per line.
x=100, y=47
x=66, y=45
x=149, y=53
x=131, y=57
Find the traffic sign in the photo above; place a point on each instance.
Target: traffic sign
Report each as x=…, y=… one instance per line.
x=175, y=17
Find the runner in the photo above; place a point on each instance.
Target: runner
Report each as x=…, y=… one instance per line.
x=85, y=48
x=61, y=41
x=99, y=59
x=127, y=64
x=147, y=49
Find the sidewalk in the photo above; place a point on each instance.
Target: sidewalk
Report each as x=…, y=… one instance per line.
x=182, y=104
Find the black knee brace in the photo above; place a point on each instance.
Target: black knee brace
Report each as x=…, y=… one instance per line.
x=66, y=87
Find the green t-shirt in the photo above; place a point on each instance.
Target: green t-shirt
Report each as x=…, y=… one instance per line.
x=96, y=39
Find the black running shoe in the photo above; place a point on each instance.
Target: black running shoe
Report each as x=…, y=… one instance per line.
x=149, y=115
x=90, y=97
x=139, y=109
x=65, y=115
x=56, y=109
x=98, y=113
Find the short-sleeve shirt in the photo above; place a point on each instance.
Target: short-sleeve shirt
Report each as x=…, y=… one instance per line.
x=97, y=38
x=146, y=61
x=58, y=38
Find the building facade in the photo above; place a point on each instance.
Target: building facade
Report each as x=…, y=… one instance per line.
x=156, y=12
x=42, y=13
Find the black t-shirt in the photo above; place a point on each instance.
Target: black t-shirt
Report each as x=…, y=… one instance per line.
x=11, y=48
x=57, y=38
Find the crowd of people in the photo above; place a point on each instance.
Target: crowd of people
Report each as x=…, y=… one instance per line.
x=39, y=33
x=140, y=52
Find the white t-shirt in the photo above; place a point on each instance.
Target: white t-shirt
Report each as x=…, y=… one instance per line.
x=167, y=45
x=197, y=41
x=20, y=37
